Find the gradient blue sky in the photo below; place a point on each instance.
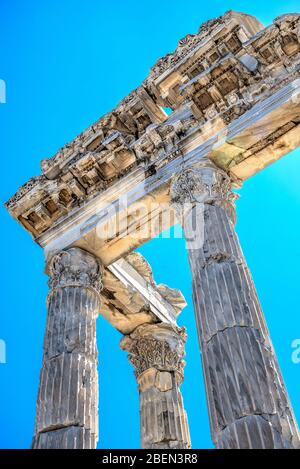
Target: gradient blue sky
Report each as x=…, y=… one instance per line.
x=65, y=64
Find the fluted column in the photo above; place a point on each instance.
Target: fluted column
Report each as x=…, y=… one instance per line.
x=67, y=405
x=156, y=351
x=247, y=399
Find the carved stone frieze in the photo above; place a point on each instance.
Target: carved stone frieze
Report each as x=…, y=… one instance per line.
x=209, y=29
x=211, y=80
x=217, y=110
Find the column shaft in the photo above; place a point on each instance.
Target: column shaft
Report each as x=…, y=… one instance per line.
x=67, y=406
x=156, y=353
x=247, y=399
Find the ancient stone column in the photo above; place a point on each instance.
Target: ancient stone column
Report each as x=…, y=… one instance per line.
x=247, y=400
x=67, y=405
x=156, y=351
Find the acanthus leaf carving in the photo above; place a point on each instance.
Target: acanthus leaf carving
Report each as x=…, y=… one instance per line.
x=74, y=267
x=159, y=346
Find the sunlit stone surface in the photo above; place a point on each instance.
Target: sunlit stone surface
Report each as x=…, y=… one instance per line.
x=233, y=89
x=156, y=352
x=247, y=399
x=67, y=407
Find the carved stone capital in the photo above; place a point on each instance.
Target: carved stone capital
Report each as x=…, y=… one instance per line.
x=159, y=346
x=74, y=267
x=203, y=184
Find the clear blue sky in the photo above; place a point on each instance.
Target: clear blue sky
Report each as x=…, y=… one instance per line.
x=65, y=64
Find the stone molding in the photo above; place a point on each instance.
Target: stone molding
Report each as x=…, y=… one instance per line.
x=212, y=79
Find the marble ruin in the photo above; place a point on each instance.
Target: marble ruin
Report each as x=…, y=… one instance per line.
x=219, y=109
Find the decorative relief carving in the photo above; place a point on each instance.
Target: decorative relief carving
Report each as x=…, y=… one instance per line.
x=158, y=346
x=213, y=77
x=25, y=189
x=203, y=184
x=188, y=43
x=75, y=268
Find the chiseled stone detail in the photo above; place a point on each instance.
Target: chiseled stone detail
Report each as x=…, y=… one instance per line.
x=233, y=89
x=156, y=351
x=247, y=399
x=212, y=79
x=203, y=183
x=67, y=405
x=131, y=297
x=156, y=346
x=72, y=268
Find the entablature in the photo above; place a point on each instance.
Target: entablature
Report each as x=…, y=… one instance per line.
x=231, y=79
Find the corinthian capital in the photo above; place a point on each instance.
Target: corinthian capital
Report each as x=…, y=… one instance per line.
x=159, y=346
x=74, y=267
x=203, y=184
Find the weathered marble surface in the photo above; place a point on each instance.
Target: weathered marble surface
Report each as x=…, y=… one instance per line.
x=131, y=297
x=156, y=352
x=67, y=405
x=80, y=290
x=234, y=91
x=247, y=400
